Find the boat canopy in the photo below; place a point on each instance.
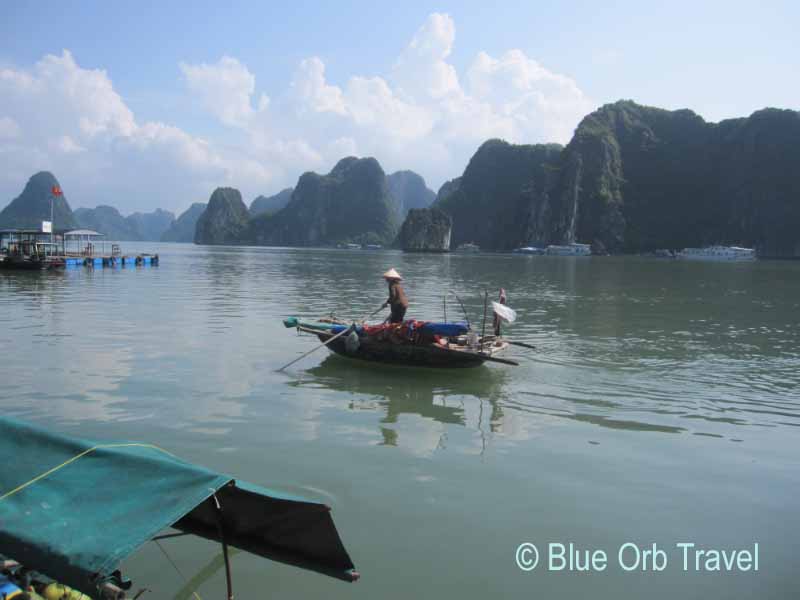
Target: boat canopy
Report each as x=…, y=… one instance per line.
x=73, y=509
x=88, y=233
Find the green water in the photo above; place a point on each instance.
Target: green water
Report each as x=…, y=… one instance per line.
x=662, y=405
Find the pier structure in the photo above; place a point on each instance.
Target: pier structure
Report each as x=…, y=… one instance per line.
x=35, y=249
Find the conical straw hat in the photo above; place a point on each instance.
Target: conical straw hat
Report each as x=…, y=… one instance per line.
x=392, y=274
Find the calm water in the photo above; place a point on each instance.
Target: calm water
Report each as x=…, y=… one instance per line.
x=662, y=405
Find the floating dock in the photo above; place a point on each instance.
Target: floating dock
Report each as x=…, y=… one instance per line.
x=32, y=249
x=111, y=261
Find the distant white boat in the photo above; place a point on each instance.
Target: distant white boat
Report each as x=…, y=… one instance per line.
x=569, y=250
x=528, y=250
x=468, y=247
x=720, y=253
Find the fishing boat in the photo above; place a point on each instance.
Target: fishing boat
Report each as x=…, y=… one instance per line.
x=29, y=250
x=72, y=510
x=411, y=343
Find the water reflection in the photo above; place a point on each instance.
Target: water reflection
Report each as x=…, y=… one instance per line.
x=444, y=396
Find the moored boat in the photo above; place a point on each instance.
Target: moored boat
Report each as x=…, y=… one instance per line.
x=569, y=250
x=73, y=509
x=718, y=253
x=468, y=248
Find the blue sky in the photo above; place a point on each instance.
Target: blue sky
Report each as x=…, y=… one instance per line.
x=155, y=104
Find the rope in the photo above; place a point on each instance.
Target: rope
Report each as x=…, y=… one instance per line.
x=177, y=570
x=76, y=457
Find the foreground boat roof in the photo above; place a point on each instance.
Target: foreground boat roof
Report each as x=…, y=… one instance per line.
x=73, y=509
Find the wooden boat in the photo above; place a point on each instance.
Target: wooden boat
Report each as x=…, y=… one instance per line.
x=412, y=343
x=73, y=509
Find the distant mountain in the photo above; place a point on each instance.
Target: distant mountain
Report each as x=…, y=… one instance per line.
x=32, y=206
x=409, y=191
x=352, y=203
x=108, y=221
x=448, y=187
x=636, y=178
x=271, y=204
x=182, y=229
x=224, y=220
x=151, y=226
x=496, y=203
x=136, y=227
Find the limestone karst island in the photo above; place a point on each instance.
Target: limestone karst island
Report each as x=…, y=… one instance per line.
x=357, y=301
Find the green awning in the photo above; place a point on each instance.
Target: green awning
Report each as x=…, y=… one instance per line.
x=73, y=509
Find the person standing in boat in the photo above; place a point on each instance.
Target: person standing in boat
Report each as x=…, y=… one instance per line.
x=397, y=297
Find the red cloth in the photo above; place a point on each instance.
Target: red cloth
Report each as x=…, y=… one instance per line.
x=407, y=330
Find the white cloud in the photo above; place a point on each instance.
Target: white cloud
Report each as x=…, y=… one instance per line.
x=71, y=121
x=67, y=145
x=540, y=103
x=422, y=115
x=225, y=88
x=310, y=90
x=8, y=128
x=421, y=69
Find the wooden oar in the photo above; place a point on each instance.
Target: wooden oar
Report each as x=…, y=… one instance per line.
x=505, y=361
x=522, y=344
x=329, y=340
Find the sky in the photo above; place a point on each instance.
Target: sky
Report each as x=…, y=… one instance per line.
x=146, y=105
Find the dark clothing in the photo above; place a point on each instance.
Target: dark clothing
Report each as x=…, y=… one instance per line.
x=397, y=297
x=398, y=301
x=398, y=314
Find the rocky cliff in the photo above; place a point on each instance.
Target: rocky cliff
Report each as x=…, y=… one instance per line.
x=182, y=229
x=636, y=178
x=352, y=203
x=32, y=206
x=270, y=204
x=108, y=221
x=151, y=226
x=136, y=227
x=448, y=188
x=225, y=219
x=409, y=191
x=425, y=230
x=502, y=200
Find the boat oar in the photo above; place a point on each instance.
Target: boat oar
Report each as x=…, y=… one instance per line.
x=522, y=344
x=329, y=340
x=325, y=343
x=505, y=361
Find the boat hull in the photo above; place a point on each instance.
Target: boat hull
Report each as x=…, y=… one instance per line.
x=417, y=355
x=28, y=264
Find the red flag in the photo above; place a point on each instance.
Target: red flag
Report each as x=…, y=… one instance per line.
x=57, y=191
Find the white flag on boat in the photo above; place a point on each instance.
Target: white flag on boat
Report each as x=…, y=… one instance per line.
x=504, y=312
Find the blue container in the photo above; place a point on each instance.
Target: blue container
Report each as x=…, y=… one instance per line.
x=146, y=260
x=98, y=262
x=8, y=589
